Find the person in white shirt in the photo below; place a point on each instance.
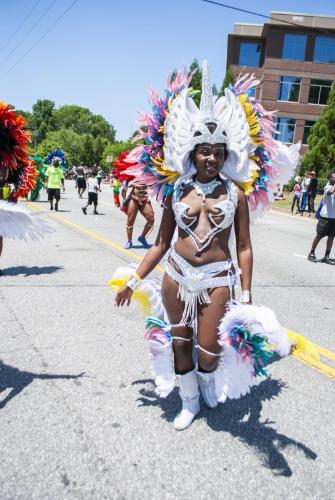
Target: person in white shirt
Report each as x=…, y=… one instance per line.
x=326, y=224
x=93, y=188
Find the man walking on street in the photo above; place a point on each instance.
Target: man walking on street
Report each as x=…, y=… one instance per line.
x=326, y=224
x=93, y=188
x=54, y=179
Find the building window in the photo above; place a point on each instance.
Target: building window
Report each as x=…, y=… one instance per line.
x=319, y=91
x=286, y=130
x=324, y=50
x=307, y=130
x=252, y=92
x=289, y=88
x=294, y=47
x=250, y=54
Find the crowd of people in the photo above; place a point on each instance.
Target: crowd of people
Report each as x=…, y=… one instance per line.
x=304, y=193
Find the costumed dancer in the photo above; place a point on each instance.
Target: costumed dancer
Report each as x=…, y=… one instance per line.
x=18, y=176
x=208, y=166
x=41, y=168
x=136, y=201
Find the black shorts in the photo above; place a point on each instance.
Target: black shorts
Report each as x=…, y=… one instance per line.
x=92, y=198
x=325, y=227
x=53, y=193
x=81, y=183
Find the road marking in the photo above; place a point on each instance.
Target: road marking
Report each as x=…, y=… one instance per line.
x=80, y=228
x=303, y=349
x=299, y=255
x=311, y=354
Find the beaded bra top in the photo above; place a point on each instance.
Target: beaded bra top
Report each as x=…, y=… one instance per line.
x=225, y=209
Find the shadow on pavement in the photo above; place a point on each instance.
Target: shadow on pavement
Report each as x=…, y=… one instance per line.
x=17, y=380
x=30, y=271
x=242, y=419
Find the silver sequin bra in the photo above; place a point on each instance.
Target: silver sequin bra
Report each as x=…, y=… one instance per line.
x=225, y=208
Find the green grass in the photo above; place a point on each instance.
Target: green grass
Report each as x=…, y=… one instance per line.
x=285, y=204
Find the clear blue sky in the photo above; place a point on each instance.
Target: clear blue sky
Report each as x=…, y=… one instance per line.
x=104, y=54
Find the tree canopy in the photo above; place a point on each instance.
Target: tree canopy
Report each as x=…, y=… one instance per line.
x=228, y=80
x=81, y=134
x=321, y=153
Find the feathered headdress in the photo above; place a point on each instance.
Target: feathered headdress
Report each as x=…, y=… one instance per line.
x=57, y=154
x=15, y=163
x=256, y=161
x=120, y=167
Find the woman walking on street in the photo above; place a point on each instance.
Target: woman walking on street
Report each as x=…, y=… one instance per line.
x=206, y=159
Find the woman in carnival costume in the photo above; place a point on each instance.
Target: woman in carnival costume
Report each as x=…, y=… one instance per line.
x=208, y=166
x=136, y=201
x=17, y=177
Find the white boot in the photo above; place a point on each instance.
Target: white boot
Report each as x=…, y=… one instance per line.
x=189, y=393
x=207, y=388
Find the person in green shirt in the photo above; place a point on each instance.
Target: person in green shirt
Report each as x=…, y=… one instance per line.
x=54, y=179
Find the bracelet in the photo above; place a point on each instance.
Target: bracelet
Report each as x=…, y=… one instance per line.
x=245, y=296
x=134, y=281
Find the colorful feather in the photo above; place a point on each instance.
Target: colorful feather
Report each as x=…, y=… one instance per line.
x=15, y=161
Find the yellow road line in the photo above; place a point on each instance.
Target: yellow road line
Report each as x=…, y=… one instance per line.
x=303, y=349
x=106, y=241
x=310, y=353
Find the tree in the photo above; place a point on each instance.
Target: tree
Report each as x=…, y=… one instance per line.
x=114, y=150
x=196, y=79
x=83, y=121
x=99, y=145
x=66, y=140
x=41, y=121
x=88, y=156
x=321, y=153
x=228, y=80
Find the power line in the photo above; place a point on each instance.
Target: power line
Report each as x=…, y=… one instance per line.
x=40, y=39
x=264, y=16
x=20, y=25
x=29, y=32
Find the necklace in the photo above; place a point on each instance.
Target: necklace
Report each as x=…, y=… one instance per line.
x=205, y=189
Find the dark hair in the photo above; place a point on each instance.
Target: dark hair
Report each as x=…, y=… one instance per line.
x=330, y=175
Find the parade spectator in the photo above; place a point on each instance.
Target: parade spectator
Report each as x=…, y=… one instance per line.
x=326, y=224
x=312, y=192
x=54, y=179
x=93, y=188
x=304, y=193
x=296, y=194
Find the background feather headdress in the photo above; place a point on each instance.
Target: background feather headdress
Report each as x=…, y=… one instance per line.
x=256, y=160
x=15, y=163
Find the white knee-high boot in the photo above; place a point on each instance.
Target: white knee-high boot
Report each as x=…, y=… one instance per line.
x=189, y=393
x=207, y=388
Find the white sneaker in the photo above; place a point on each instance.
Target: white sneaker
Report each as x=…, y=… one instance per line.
x=189, y=393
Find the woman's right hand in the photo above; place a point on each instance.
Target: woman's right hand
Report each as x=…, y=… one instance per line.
x=123, y=296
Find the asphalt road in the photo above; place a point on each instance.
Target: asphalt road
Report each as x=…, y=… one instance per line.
x=78, y=415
